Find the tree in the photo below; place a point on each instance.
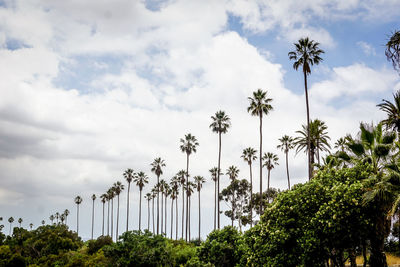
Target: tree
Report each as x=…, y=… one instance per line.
x=156, y=167
x=154, y=192
x=188, y=145
x=162, y=188
x=214, y=177
x=118, y=187
x=51, y=218
x=318, y=140
x=249, y=155
x=189, y=188
x=20, y=222
x=392, y=111
x=174, y=184
x=93, y=199
x=259, y=106
x=128, y=175
x=285, y=145
x=220, y=125
x=111, y=195
x=199, y=181
x=66, y=213
x=43, y=222
x=78, y=201
x=10, y=220
x=148, y=197
x=140, y=179
x=233, y=173
x=306, y=54
x=167, y=192
x=392, y=51
x=181, y=175
x=30, y=226
x=57, y=216
x=103, y=198
x=270, y=161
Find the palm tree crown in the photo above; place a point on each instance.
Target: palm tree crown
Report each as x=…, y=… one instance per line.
x=392, y=111
x=392, y=51
x=156, y=166
x=141, y=179
x=259, y=103
x=306, y=54
x=286, y=143
x=249, y=155
x=189, y=144
x=220, y=122
x=232, y=172
x=270, y=160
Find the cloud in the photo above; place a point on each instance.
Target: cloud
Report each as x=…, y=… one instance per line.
x=368, y=49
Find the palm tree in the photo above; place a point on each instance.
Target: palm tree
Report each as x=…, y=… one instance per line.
x=162, y=188
x=57, y=216
x=103, y=198
x=233, y=173
x=214, y=177
x=220, y=124
x=66, y=213
x=392, y=111
x=260, y=105
x=318, y=139
x=341, y=144
x=189, y=191
x=111, y=195
x=154, y=193
x=174, y=196
x=10, y=220
x=156, y=167
x=285, y=145
x=118, y=187
x=140, y=179
x=128, y=175
x=199, y=181
x=249, y=154
x=306, y=54
x=78, y=201
x=270, y=161
x=188, y=145
x=20, y=222
x=43, y=222
x=30, y=226
x=167, y=192
x=62, y=218
x=93, y=199
x=181, y=175
x=392, y=51
x=51, y=218
x=148, y=197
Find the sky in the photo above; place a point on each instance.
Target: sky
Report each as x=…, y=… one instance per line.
x=91, y=88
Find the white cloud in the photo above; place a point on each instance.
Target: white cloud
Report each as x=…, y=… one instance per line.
x=368, y=49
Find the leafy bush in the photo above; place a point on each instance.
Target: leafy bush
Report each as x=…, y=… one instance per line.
x=101, y=241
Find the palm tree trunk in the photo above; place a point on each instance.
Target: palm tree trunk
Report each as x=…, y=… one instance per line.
x=189, y=218
x=148, y=215
x=116, y=234
x=112, y=217
x=158, y=204
x=152, y=207
x=102, y=228
x=378, y=258
x=172, y=216
x=233, y=205
x=187, y=197
x=165, y=216
x=92, y=218
x=176, y=219
x=77, y=219
x=287, y=169
x=219, y=170
x=127, y=208
x=140, y=209
x=199, y=216
x=251, y=196
x=269, y=173
x=215, y=204
x=261, y=195
x=10, y=230
x=108, y=218
x=162, y=213
x=183, y=209
x=308, y=128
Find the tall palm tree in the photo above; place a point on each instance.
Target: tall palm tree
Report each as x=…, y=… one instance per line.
x=111, y=195
x=270, y=161
x=167, y=192
x=259, y=106
x=233, y=173
x=318, y=139
x=181, y=175
x=214, y=177
x=306, y=54
x=43, y=222
x=392, y=111
x=10, y=220
x=66, y=213
x=220, y=125
x=148, y=197
x=62, y=218
x=118, y=187
x=140, y=179
x=174, y=196
x=78, y=201
x=341, y=144
x=20, y=222
x=188, y=145
x=57, y=216
x=30, y=226
x=103, y=198
x=156, y=167
x=392, y=51
x=128, y=175
x=161, y=188
x=51, y=218
x=154, y=193
x=189, y=188
x=199, y=181
x=249, y=155
x=93, y=199
x=286, y=145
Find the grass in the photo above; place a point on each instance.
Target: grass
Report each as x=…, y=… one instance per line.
x=390, y=258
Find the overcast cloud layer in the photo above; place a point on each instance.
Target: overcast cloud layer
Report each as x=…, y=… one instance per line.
x=91, y=88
